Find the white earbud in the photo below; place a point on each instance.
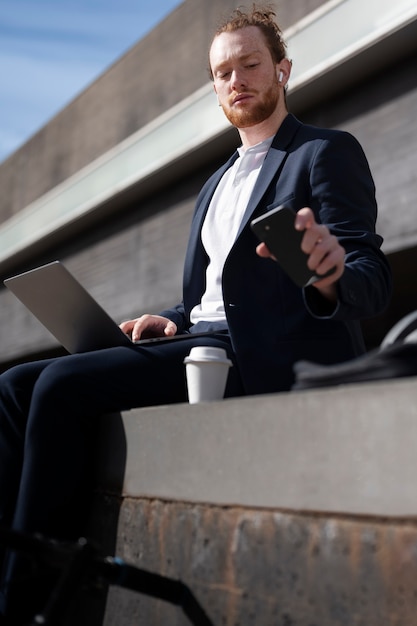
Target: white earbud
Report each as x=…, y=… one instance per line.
x=280, y=77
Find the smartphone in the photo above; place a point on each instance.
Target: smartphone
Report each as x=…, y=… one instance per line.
x=276, y=229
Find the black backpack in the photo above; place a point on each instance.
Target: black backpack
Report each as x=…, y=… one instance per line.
x=395, y=358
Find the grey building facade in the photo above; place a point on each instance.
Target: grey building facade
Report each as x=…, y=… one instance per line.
x=108, y=185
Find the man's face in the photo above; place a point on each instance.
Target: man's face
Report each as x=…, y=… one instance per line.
x=245, y=76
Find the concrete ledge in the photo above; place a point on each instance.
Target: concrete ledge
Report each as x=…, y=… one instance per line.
x=283, y=510
x=350, y=449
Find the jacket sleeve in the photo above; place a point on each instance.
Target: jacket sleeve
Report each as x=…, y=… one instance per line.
x=343, y=198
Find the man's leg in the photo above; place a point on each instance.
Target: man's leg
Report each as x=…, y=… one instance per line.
x=16, y=388
x=68, y=395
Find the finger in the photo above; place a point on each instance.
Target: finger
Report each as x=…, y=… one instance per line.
x=263, y=251
x=153, y=326
x=143, y=324
x=127, y=326
x=321, y=250
x=333, y=261
x=170, y=329
x=304, y=219
x=315, y=239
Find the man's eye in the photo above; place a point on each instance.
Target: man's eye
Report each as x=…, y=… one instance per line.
x=252, y=65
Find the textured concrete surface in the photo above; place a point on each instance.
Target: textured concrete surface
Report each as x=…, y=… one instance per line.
x=348, y=449
x=295, y=509
x=259, y=567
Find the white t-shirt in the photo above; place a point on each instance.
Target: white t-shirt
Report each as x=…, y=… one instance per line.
x=221, y=225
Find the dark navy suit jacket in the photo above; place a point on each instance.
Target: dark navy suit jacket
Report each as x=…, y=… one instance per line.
x=272, y=322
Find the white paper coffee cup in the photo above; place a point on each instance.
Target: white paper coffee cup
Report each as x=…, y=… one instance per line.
x=207, y=369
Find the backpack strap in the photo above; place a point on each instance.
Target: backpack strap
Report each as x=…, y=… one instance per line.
x=401, y=330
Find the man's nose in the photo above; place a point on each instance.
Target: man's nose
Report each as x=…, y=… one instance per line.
x=237, y=80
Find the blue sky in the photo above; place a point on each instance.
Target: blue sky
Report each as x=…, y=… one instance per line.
x=50, y=50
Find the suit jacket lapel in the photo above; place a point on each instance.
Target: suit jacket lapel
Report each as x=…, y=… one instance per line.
x=196, y=256
x=272, y=165
x=207, y=194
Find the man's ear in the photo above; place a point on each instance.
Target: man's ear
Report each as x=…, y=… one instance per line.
x=283, y=70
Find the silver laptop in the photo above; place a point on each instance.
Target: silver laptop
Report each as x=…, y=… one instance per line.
x=69, y=312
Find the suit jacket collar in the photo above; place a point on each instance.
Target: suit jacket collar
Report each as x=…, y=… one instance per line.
x=273, y=161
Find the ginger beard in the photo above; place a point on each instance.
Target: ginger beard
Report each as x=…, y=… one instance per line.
x=248, y=114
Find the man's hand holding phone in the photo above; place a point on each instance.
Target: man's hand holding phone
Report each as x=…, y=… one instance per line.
x=325, y=254
x=322, y=253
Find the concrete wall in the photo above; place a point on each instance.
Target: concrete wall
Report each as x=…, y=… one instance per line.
x=291, y=509
x=116, y=257
x=160, y=70
x=132, y=260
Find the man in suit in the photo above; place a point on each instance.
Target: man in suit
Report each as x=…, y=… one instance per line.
x=231, y=289
x=325, y=177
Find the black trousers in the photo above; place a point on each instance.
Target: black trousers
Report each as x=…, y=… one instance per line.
x=47, y=414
